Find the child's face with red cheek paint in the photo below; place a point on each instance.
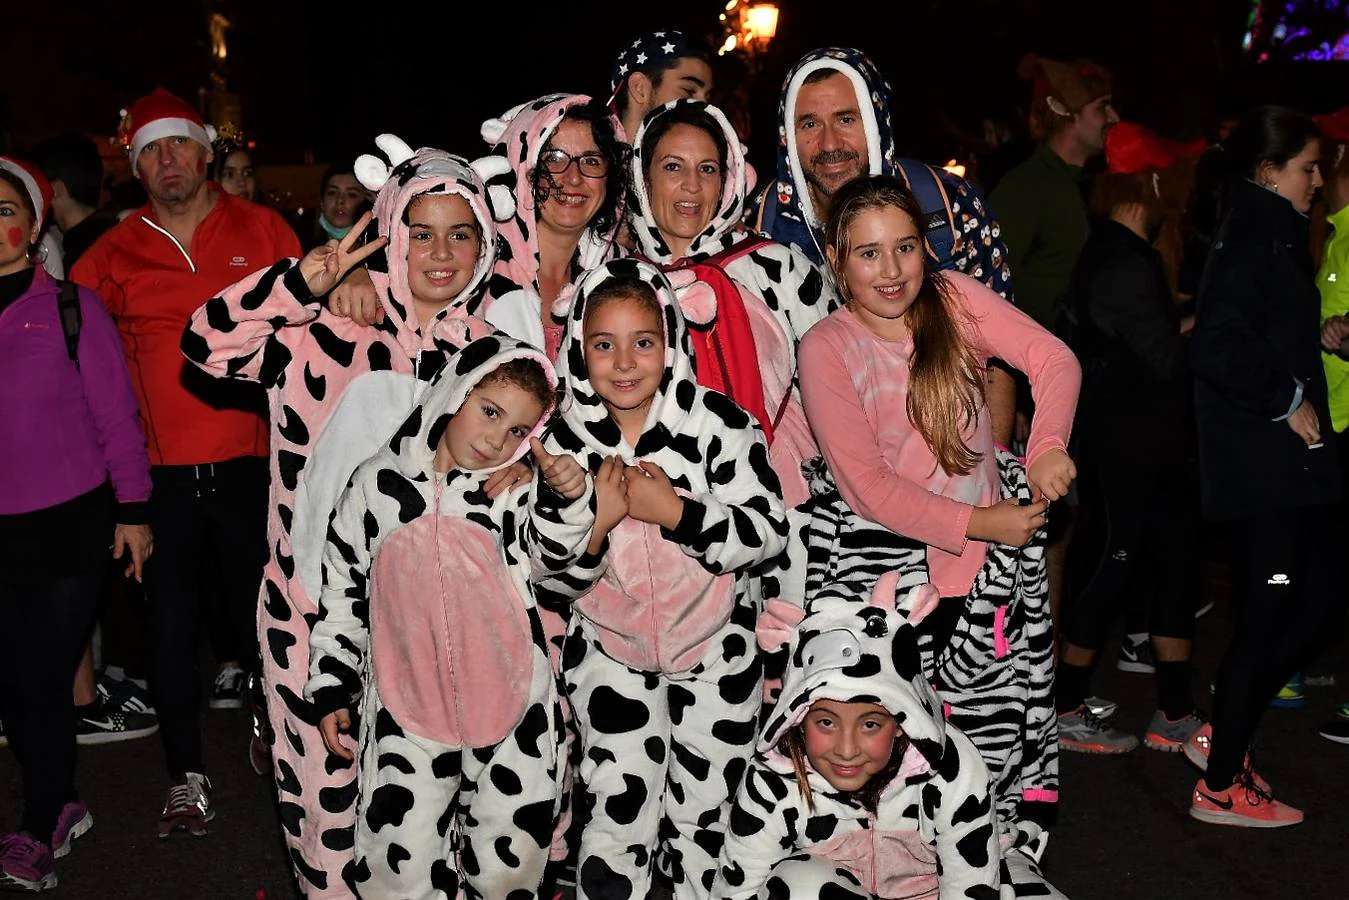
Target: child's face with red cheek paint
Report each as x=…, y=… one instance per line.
x=18, y=231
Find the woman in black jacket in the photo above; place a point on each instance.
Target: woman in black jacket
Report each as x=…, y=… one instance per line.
x=1139, y=508
x=1267, y=453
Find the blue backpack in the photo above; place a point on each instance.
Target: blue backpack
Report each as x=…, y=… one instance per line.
x=936, y=206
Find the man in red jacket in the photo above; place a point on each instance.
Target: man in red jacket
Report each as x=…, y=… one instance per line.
x=207, y=439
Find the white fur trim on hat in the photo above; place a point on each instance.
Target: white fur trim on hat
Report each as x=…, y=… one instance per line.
x=169, y=127
x=34, y=192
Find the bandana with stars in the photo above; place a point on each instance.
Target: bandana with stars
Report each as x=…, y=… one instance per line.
x=646, y=54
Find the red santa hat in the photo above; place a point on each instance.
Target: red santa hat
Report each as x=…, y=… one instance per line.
x=38, y=187
x=159, y=115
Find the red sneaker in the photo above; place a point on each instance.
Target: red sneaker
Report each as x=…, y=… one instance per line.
x=1243, y=804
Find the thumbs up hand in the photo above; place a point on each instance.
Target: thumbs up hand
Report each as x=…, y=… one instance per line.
x=562, y=473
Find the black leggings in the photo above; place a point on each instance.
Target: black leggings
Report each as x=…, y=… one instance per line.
x=45, y=627
x=1136, y=519
x=1291, y=595
x=209, y=523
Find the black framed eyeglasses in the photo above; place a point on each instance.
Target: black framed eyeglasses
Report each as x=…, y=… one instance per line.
x=591, y=165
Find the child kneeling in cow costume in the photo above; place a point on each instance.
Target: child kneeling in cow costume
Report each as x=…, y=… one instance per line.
x=859, y=787
x=428, y=621
x=660, y=662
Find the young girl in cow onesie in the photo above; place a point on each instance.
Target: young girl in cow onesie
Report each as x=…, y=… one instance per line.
x=660, y=662
x=912, y=483
x=336, y=391
x=428, y=625
x=859, y=788
x=748, y=300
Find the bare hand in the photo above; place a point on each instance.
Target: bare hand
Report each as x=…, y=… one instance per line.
x=1304, y=423
x=562, y=473
x=651, y=496
x=325, y=265
x=1052, y=474
x=356, y=299
x=1333, y=332
x=136, y=540
x=330, y=726
x=611, y=501
x=1008, y=522
x=507, y=478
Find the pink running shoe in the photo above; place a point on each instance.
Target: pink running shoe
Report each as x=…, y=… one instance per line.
x=1243, y=804
x=74, y=822
x=26, y=864
x=1197, y=748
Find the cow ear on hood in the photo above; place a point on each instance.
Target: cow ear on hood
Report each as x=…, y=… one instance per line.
x=371, y=171
x=496, y=174
x=494, y=129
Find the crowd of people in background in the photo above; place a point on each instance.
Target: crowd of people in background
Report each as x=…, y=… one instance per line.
x=583, y=513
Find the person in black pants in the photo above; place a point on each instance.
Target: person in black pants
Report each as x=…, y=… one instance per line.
x=1139, y=508
x=69, y=428
x=1267, y=453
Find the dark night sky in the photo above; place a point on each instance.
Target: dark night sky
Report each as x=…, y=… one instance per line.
x=312, y=81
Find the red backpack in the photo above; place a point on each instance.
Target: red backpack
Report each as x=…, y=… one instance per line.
x=728, y=342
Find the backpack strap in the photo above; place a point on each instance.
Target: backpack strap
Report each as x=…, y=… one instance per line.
x=68, y=307
x=936, y=206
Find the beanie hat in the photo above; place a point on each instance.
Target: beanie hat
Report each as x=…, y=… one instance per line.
x=158, y=115
x=645, y=54
x=38, y=187
x=1130, y=148
x=1074, y=84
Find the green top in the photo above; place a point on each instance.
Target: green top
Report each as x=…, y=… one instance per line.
x=1044, y=223
x=1333, y=283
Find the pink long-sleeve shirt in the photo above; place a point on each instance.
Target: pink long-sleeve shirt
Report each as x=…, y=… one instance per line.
x=855, y=389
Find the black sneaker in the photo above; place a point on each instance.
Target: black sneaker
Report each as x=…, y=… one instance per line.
x=1336, y=730
x=228, y=690
x=98, y=723
x=1136, y=656
x=124, y=695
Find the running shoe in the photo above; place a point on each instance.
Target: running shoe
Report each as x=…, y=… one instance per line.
x=1245, y=804
x=74, y=822
x=1083, y=732
x=101, y=724
x=228, y=690
x=1170, y=735
x=1136, y=655
x=1290, y=696
x=187, y=807
x=26, y=864
x=1336, y=730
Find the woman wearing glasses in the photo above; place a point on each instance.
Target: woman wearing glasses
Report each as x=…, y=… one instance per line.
x=570, y=172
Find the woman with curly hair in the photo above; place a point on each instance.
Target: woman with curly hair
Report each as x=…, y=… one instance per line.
x=570, y=180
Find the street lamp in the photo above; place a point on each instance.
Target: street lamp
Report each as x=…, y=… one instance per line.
x=749, y=27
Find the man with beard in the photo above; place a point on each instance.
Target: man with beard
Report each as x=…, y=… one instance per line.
x=207, y=439
x=833, y=126
x=1040, y=203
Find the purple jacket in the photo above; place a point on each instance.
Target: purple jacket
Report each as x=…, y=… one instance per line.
x=65, y=429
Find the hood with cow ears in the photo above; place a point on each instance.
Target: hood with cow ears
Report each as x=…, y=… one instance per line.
x=409, y=174
x=857, y=653
x=414, y=444
x=722, y=230
x=518, y=136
